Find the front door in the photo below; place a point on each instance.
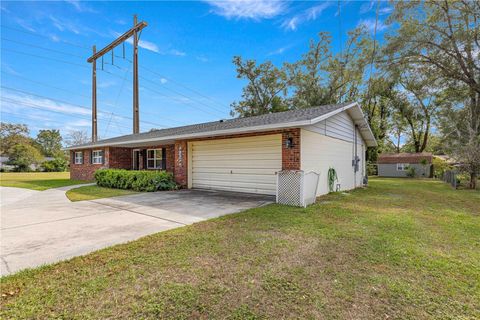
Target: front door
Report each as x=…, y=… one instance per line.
x=136, y=159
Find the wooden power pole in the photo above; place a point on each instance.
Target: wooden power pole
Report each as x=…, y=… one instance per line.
x=133, y=32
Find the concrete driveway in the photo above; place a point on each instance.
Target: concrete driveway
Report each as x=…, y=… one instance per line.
x=39, y=227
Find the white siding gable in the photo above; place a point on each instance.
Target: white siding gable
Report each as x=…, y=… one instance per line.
x=330, y=143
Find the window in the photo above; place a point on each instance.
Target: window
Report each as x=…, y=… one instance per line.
x=402, y=166
x=97, y=157
x=78, y=157
x=154, y=158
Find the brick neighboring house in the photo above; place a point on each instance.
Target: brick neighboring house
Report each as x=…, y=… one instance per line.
x=397, y=164
x=242, y=154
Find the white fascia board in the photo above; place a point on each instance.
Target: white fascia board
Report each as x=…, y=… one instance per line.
x=205, y=134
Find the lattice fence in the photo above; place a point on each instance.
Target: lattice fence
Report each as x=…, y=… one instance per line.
x=296, y=188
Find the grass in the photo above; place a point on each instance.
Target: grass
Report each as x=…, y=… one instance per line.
x=37, y=180
x=399, y=249
x=95, y=192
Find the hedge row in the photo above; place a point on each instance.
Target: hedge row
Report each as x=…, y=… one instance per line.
x=135, y=180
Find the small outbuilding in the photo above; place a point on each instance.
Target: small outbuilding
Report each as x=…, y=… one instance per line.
x=400, y=164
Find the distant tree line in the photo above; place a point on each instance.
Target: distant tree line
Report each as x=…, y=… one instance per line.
x=45, y=152
x=421, y=84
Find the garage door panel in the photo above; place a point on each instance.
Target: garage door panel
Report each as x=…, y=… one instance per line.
x=236, y=151
x=265, y=164
x=267, y=191
x=239, y=164
x=265, y=178
x=237, y=157
x=255, y=171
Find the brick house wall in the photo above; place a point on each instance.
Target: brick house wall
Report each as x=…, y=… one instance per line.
x=120, y=158
x=181, y=160
x=86, y=170
x=177, y=156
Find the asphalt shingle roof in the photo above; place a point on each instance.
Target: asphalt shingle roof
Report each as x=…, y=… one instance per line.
x=390, y=158
x=262, y=120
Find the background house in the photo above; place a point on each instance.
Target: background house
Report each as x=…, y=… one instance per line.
x=397, y=164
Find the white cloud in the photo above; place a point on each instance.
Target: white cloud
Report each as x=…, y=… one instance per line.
x=29, y=102
x=366, y=7
x=290, y=24
x=278, y=51
x=176, y=52
x=24, y=25
x=9, y=69
x=142, y=43
x=106, y=84
x=79, y=6
x=202, y=59
x=309, y=14
x=369, y=24
x=63, y=25
x=247, y=9
x=163, y=80
x=385, y=10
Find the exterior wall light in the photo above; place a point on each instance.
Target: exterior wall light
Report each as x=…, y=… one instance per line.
x=289, y=143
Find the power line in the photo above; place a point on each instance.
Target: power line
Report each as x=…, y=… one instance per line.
x=43, y=48
x=47, y=37
x=85, y=47
x=41, y=108
x=76, y=105
x=144, y=78
x=20, y=116
x=79, y=94
x=184, y=86
x=47, y=58
x=161, y=94
x=190, y=100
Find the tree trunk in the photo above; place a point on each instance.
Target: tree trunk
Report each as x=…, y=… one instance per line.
x=473, y=180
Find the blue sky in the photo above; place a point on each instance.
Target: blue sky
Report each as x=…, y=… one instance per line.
x=185, y=57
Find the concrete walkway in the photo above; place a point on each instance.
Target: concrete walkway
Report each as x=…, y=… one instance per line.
x=39, y=227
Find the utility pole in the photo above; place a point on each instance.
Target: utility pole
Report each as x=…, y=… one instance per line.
x=133, y=32
x=94, y=98
x=136, y=116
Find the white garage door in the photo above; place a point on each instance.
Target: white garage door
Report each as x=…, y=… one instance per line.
x=240, y=164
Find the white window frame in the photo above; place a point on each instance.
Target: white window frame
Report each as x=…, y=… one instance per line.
x=402, y=166
x=97, y=155
x=155, y=159
x=78, y=159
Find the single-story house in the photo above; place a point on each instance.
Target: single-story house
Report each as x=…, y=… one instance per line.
x=244, y=154
x=398, y=164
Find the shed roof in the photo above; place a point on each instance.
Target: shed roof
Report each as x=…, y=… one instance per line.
x=404, y=157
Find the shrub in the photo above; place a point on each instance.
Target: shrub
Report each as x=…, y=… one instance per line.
x=135, y=180
x=55, y=165
x=411, y=172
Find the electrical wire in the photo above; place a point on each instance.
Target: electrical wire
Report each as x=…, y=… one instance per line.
x=76, y=105
x=43, y=48
x=20, y=116
x=46, y=37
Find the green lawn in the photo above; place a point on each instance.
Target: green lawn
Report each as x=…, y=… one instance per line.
x=95, y=192
x=401, y=248
x=37, y=180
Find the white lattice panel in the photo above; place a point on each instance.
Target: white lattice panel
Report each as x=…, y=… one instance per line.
x=295, y=188
x=289, y=188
